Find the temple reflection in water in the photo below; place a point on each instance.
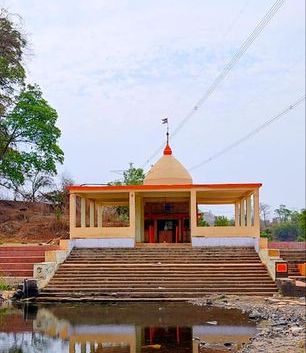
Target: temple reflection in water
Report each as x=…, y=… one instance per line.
x=132, y=328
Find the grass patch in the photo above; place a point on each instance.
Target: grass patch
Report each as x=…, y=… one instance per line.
x=4, y=285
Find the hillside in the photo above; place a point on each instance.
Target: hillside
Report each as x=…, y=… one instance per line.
x=30, y=222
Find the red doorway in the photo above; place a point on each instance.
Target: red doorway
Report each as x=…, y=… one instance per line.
x=164, y=229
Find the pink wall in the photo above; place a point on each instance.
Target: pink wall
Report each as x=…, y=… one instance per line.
x=287, y=245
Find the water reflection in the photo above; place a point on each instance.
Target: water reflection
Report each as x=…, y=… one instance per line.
x=122, y=328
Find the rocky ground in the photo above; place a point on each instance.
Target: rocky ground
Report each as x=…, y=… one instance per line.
x=29, y=222
x=280, y=322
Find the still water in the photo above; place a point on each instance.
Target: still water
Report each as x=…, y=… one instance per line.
x=122, y=328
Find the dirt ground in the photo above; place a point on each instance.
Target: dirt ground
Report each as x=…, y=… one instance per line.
x=27, y=222
x=280, y=321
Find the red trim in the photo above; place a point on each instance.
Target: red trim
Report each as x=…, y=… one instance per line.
x=161, y=187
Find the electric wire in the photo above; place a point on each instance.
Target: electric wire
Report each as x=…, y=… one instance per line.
x=226, y=70
x=250, y=134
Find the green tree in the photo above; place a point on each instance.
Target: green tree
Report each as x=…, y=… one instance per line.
x=285, y=231
x=222, y=221
x=283, y=213
x=202, y=221
x=302, y=225
x=290, y=225
x=29, y=142
x=131, y=176
x=12, y=72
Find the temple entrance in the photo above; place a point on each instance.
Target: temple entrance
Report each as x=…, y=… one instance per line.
x=167, y=231
x=166, y=222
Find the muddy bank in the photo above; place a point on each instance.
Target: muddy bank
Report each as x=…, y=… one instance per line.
x=280, y=322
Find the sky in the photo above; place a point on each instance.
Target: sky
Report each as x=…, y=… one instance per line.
x=114, y=69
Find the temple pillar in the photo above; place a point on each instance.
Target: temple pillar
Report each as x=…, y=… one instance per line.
x=249, y=211
x=83, y=212
x=139, y=219
x=242, y=212
x=237, y=214
x=71, y=347
x=100, y=215
x=72, y=211
x=91, y=213
x=193, y=211
x=132, y=212
x=256, y=211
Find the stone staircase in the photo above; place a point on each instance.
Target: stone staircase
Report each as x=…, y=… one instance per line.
x=159, y=273
x=293, y=257
x=17, y=260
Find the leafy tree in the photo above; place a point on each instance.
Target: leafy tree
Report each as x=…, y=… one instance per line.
x=131, y=176
x=59, y=197
x=33, y=188
x=202, y=221
x=12, y=72
x=266, y=233
x=290, y=225
x=222, y=221
x=285, y=231
x=29, y=144
x=283, y=213
x=264, y=211
x=302, y=226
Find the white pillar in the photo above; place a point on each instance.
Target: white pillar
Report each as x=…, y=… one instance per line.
x=83, y=212
x=242, y=213
x=91, y=213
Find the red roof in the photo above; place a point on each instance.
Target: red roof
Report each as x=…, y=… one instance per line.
x=162, y=187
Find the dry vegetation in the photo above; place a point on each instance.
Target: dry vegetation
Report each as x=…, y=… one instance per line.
x=31, y=222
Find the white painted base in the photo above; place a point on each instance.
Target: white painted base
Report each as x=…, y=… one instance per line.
x=103, y=243
x=250, y=242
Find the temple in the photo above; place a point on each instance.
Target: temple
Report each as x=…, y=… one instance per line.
x=165, y=209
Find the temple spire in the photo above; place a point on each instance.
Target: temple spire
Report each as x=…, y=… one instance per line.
x=167, y=150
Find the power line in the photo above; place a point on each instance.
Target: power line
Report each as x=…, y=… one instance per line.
x=226, y=70
x=250, y=134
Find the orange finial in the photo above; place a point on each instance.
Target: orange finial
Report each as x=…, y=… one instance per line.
x=167, y=150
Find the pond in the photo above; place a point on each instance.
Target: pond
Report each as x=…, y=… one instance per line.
x=122, y=328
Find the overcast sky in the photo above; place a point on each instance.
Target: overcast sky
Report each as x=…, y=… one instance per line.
x=113, y=69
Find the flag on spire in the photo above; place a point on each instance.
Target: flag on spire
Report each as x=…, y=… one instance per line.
x=165, y=121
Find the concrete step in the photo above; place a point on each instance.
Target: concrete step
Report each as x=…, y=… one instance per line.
x=21, y=248
x=158, y=293
x=24, y=259
x=159, y=273
x=167, y=260
x=97, y=298
x=191, y=276
x=154, y=286
x=16, y=266
x=17, y=273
